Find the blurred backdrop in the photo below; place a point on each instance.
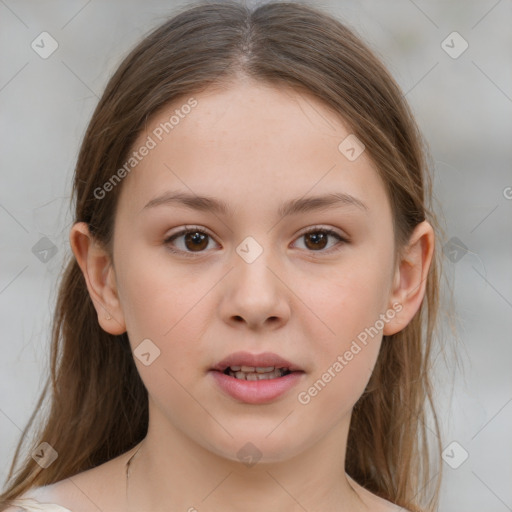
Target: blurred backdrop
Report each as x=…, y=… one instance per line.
x=452, y=60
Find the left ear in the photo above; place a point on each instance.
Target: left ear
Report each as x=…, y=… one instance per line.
x=410, y=280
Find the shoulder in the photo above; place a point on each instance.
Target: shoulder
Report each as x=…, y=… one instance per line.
x=26, y=504
x=37, y=499
x=374, y=502
x=57, y=497
x=102, y=487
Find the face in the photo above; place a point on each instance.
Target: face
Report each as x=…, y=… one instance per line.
x=313, y=285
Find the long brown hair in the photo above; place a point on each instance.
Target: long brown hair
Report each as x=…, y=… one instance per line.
x=98, y=406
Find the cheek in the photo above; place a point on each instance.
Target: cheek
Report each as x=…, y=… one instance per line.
x=344, y=361
x=154, y=294
x=167, y=306
x=345, y=330
x=346, y=300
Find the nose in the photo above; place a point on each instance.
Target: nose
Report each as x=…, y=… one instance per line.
x=255, y=294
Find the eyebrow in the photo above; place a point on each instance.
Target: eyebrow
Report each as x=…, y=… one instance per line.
x=291, y=207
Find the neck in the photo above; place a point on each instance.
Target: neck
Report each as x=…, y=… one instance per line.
x=170, y=471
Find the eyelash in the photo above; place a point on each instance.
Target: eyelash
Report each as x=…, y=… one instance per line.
x=197, y=229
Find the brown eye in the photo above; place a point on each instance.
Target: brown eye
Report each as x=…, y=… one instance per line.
x=317, y=239
x=188, y=241
x=195, y=241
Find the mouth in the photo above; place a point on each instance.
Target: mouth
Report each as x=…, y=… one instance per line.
x=256, y=372
x=256, y=379
x=264, y=366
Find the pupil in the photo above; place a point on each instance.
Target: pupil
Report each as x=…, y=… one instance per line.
x=316, y=237
x=197, y=240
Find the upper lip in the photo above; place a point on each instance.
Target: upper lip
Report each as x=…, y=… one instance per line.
x=265, y=360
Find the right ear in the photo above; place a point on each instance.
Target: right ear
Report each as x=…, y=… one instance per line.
x=99, y=274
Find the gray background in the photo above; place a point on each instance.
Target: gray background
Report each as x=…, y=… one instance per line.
x=463, y=106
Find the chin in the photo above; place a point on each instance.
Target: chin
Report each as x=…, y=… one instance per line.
x=258, y=448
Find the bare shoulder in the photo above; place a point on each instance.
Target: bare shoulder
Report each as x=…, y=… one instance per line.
x=33, y=501
x=375, y=503
x=102, y=487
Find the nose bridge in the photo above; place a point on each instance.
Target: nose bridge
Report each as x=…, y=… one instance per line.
x=254, y=292
x=252, y=262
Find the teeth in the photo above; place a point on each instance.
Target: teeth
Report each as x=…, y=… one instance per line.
x=246, y=375
x=263, y=369
x=252, y=369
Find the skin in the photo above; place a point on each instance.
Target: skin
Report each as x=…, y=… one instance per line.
x=254, y=147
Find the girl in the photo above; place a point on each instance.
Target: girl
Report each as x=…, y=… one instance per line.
x=247, y=319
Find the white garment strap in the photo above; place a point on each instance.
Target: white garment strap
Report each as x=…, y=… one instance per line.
x=31, y=505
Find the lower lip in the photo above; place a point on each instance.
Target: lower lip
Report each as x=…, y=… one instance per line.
x=256, y=391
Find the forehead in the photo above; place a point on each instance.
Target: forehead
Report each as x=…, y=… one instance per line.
x=248, y=140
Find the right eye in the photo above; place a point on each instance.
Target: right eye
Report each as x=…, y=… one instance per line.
x=195, y=240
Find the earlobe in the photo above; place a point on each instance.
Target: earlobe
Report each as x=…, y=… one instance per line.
x=410, y=280
x=96, y=266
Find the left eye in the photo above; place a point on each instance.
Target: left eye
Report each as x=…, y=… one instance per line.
x=195, y=240
x=316, y=239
